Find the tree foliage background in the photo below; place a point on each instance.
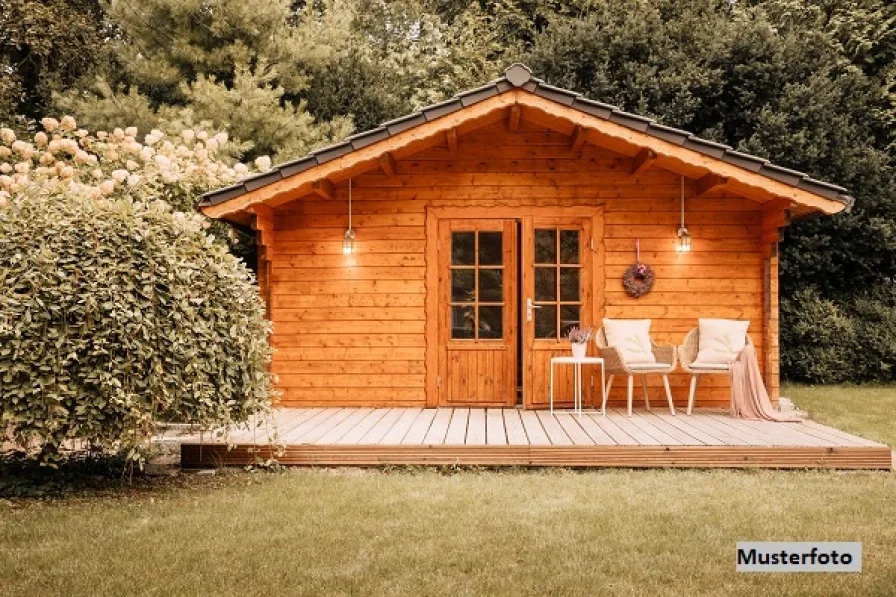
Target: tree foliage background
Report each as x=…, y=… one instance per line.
x=808, y=84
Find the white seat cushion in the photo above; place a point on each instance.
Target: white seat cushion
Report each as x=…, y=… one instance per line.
x=631, y=337
x=648, y=366
x=710, y=366
x=720, y=340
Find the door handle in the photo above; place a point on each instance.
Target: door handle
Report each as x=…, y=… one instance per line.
x=529, y=307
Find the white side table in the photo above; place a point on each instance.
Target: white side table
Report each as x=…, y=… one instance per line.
x=577, y=376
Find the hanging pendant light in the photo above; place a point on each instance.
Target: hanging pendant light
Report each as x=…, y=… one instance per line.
x=348, y=243
x=684, y=238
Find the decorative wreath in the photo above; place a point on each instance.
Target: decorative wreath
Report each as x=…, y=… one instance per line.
x=638, y=280
x=638, y=277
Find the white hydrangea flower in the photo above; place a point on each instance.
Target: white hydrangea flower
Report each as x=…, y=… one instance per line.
x=5, y=168
x=263, y=163
x=241, y=169
x=5, y=152
x=8, y=136
x=212, y=144
x=82, y=157
x=41, y=138
x=120, y=175
x=4, y=197
x=118, y=134
x=47, y=159
x=107, y=187
x=81, y=133
x=102, y=135
x=133, y=180
x=222, y=137
x=146, y=154
x=97, y=173
x=131, y=165
x=49, y=124
x=68, y=123
x=6, y=181
x=131, y=131
x=202, y=135
x=67, y=172
x=112, y=155
x=162, y=162
x=23, y=167
x=188, y=135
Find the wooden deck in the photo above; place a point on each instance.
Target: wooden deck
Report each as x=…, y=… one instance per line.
x=497, y=437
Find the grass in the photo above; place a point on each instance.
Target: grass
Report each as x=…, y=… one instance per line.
x=432, y=532
x=869, y=411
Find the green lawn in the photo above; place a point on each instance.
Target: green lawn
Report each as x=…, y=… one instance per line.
x=869, y=411
x=428, y=532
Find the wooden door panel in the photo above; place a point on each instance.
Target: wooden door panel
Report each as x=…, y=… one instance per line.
x=538, y=351
x=477, y=362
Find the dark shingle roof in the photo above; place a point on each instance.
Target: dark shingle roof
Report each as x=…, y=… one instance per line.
x=519, y=76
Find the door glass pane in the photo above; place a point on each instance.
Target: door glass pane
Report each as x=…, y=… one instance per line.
x=569, y=283
x=462, y=322
x=569, y=316
x=490, y=248
x=546, y=322
x=490, y=288
x=463, y=248
x=462, y=286
x=491, y=324
x=545, y=284
x=546, y=246
x=569, y=246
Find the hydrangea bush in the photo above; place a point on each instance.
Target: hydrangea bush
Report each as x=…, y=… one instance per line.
x=117, y=310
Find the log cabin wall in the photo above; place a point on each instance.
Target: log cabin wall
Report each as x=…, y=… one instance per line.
x=351, y=330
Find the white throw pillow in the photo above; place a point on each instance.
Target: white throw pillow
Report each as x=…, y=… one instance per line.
x=631, y=337
x=720, y=340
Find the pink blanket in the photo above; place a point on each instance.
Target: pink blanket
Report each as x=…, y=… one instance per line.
x=749, y=400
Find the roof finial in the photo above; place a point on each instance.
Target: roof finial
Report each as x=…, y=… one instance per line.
x=518, y=74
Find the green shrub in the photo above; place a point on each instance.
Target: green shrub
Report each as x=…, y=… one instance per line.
x=817, y=339
x=115, y=314
x=828, y=341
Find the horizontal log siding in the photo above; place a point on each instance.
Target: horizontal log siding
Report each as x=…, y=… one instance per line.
x=355, y=335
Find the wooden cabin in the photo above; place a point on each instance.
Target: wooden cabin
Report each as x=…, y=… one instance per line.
x=487, y=225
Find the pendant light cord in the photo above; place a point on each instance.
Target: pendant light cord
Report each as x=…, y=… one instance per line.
x=350, y=204
x=682, y=202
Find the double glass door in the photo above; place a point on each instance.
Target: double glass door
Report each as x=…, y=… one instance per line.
x=509, y=291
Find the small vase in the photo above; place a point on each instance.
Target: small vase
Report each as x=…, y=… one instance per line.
x=579, y=349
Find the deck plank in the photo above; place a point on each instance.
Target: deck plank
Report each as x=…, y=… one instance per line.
x=731, y=435
x=607, y=425
x=335, y=433
x=625, y=423
x=665, y=425
x=686, y=425
x=420, y=428
x=570, y=423
x=534, y=430
x=476, y=427
x=439, y=428
x=653, y=430
x=513, y=424
x=401, y=427
x=495, y=434
x=597, y=434
x=553, y=429
x=358, y=431
x=298, y=432
x=457, y=428
x=376, y=433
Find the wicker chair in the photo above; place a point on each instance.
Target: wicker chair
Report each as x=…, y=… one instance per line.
x=614, y=365
x=687, y=352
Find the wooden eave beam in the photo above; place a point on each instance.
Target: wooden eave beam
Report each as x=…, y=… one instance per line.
x=387, y=163
x=579, y=134
x=643, y=160
x=750, y=184
x=451, y=139
x=708, y=183
x=324, y=188
x=263, y=224
x=513, y=121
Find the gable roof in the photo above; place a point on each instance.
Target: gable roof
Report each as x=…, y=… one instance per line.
x=517, y=78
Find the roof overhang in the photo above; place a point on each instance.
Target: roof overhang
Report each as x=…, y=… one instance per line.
x=707, y=162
